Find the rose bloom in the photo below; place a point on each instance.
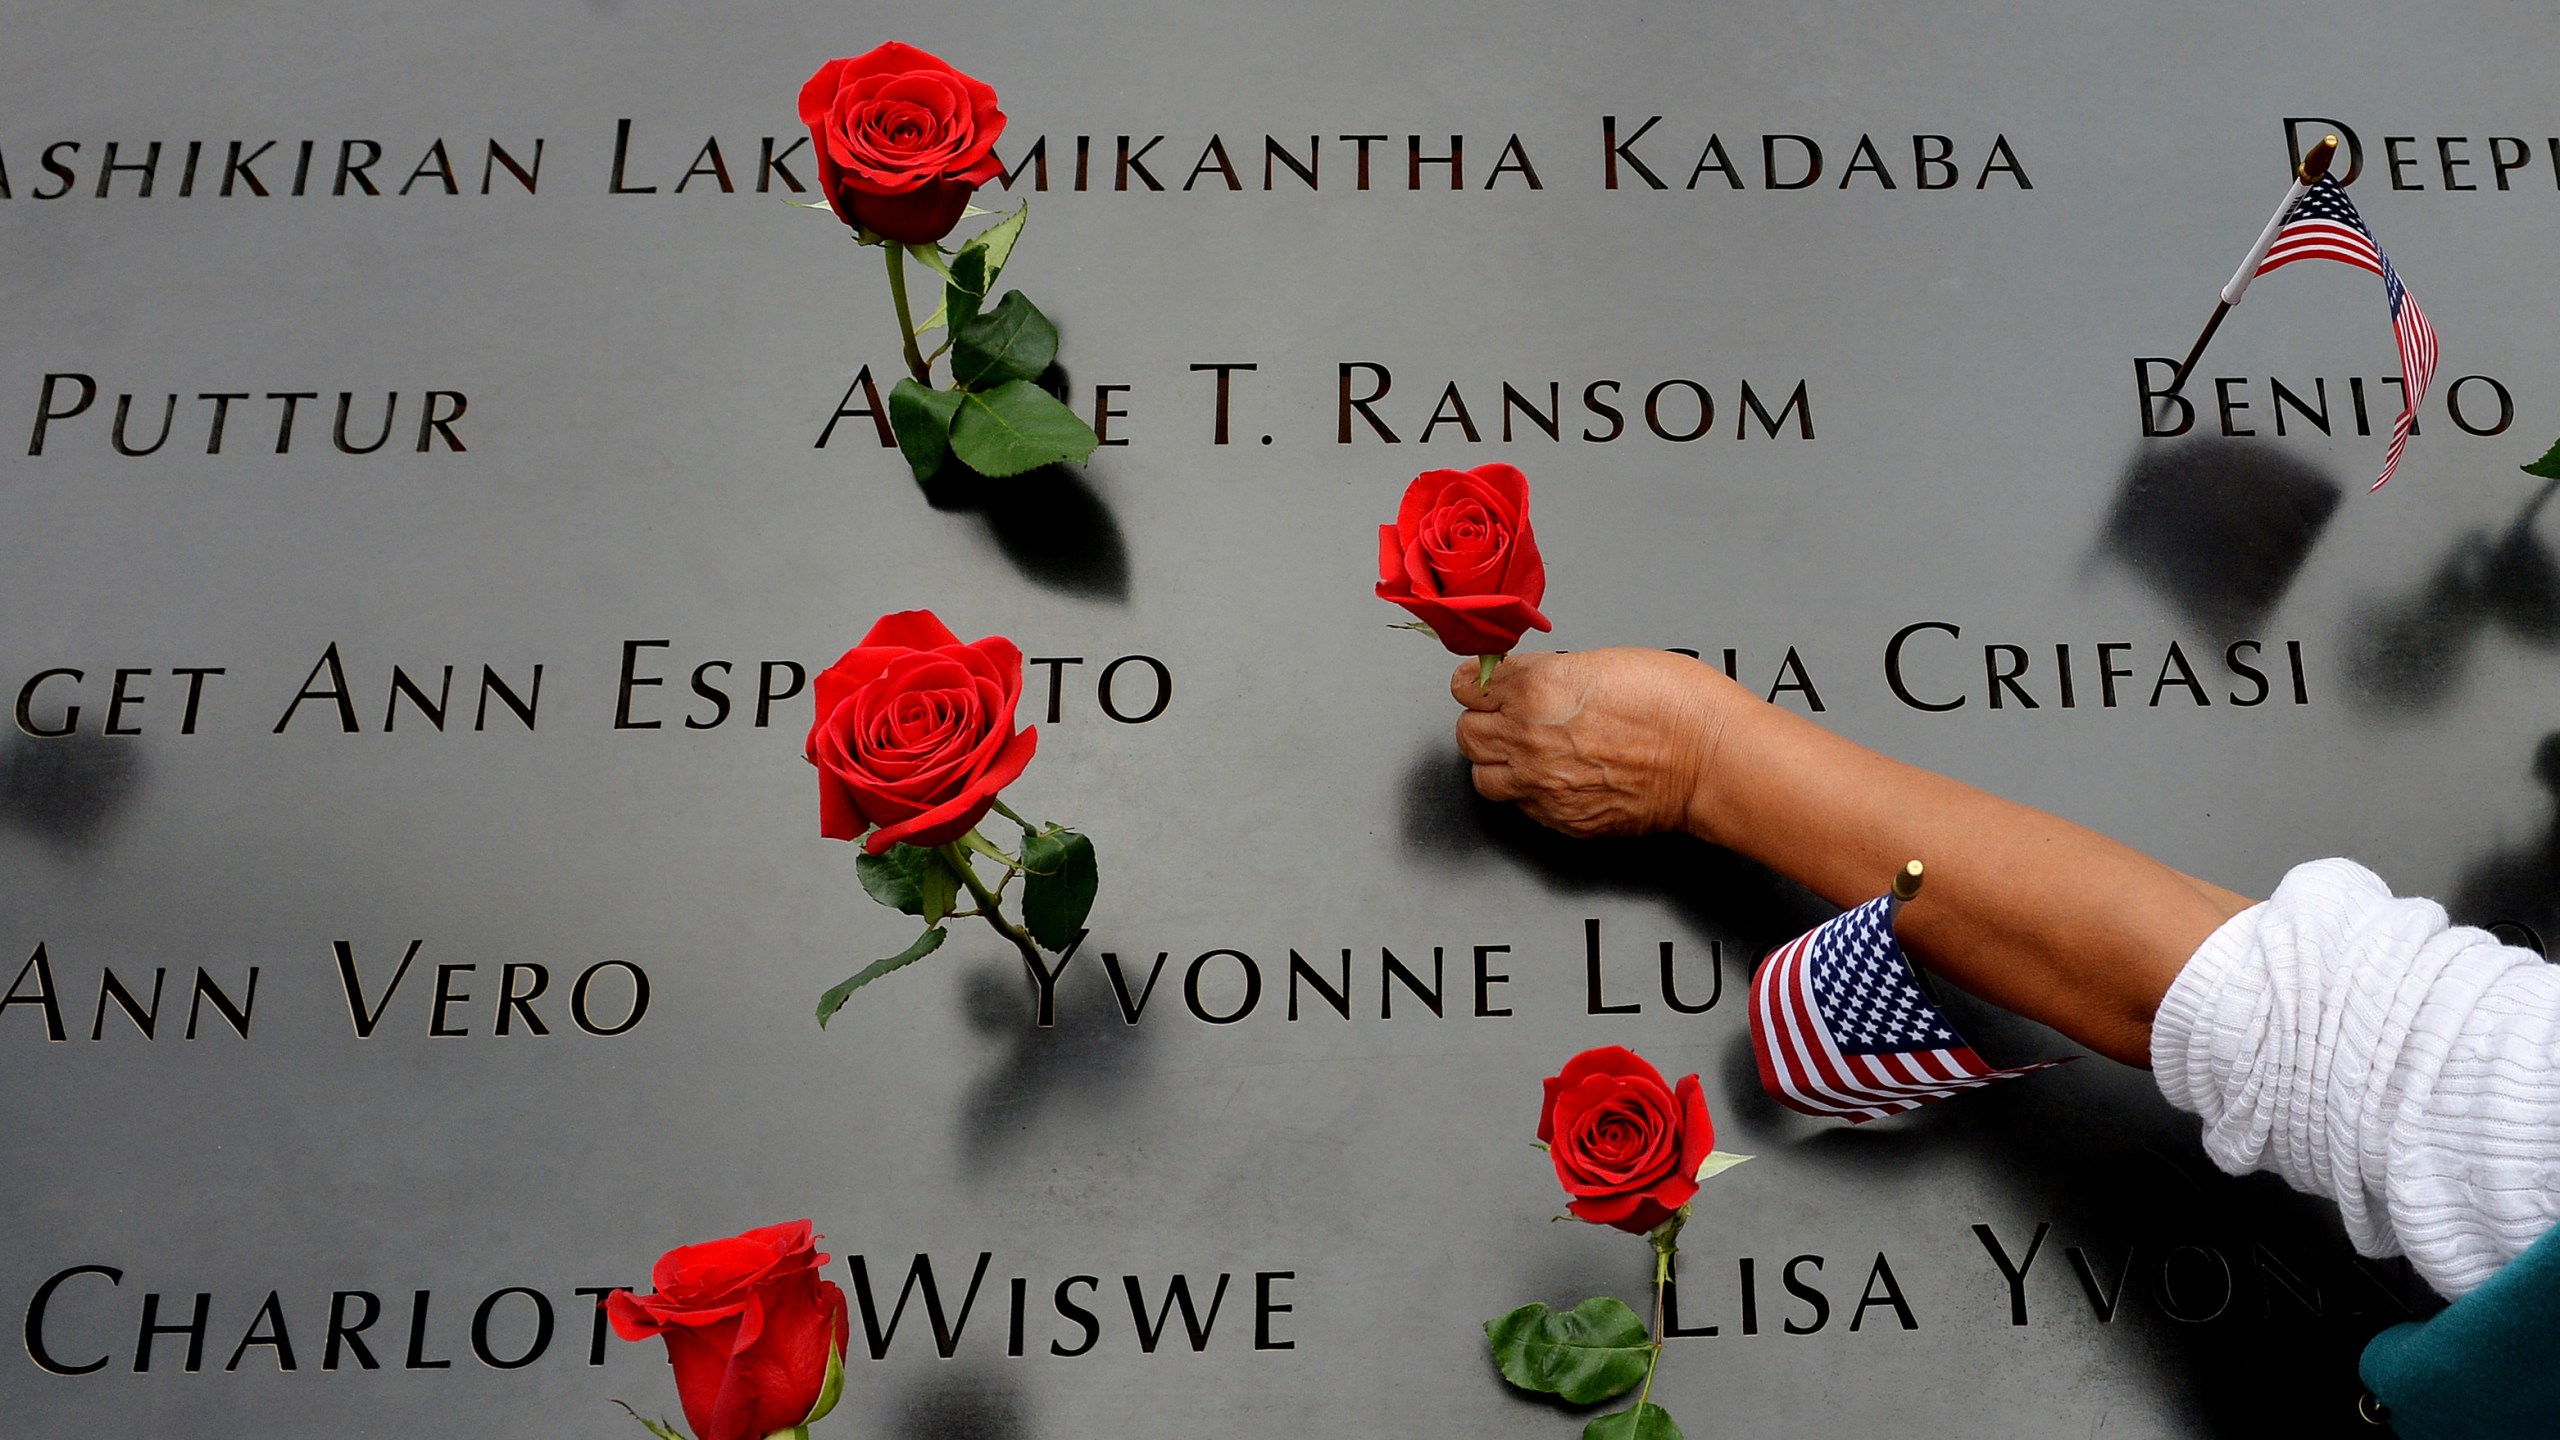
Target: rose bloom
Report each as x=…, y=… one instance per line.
x=1626, y=1146
x=749, y=1328
x=1462, y=558
x=914, y=733
x=902, y=139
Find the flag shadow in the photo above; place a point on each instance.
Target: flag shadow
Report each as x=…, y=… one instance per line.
x=2218, y=529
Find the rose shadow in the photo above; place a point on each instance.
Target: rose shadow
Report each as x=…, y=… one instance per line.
x=1088, y=1060
x=1051, y=524
x=67, y=792
x=2409, y=654
x=971, y=1405
x=2516, y=893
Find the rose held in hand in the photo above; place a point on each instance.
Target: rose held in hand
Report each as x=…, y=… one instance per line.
x=915, y=735
x=752, y=1332
x=1626, y=1146
x=1462, y=558
x=903, y=140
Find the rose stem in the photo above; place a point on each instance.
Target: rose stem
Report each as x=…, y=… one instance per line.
x=958, y=859
x=906, y=323
x=1661, y=1277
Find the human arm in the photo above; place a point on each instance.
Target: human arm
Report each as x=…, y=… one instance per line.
x=2357, y=1044
x=2025, y=909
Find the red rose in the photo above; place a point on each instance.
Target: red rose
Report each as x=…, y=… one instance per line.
x=749, y=1326
x=902, y=140
x=1625, y=1146
x=1462, y=558
x=914, y=733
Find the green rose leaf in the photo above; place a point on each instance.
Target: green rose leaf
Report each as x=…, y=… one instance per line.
x=930, y=256
x=1058, y=886
x=1015, y=427
x=1014, y=341
x=833, y=1000
x=996, y=241
x=973, y=271
x=894, y=878
x=967, y=290
x=1596, y=1350
x=1645, y=1422
x=980, y=844
x=940, y=885
x=921, y=416
x=2548, y=467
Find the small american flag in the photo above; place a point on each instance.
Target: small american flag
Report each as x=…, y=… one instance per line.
x=2323, y=225
x=1840, y=1025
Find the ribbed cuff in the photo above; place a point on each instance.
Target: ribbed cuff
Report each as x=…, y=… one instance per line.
x=2191, y=1018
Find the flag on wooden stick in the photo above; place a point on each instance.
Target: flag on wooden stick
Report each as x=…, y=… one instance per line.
x=2323, y=225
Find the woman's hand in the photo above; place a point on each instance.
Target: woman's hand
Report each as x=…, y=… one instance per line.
x=1601, y=742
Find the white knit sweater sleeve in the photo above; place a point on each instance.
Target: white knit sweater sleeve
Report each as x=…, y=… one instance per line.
x=2366, y=1049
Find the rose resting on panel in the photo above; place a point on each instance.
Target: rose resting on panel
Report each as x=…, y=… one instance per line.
x=903, y=141
x=913, y=742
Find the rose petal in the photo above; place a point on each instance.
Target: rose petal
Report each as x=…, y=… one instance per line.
x=1608, y=1060
x=902, y=139
x=738, y=1317
x=1507, y=486
x=1697, y=1128
x=1421, y=498
x=839, y=814
x=1473, y=624
x=953, y=819
x=1525, y=570
x=1614, y=1132
x=911, y=630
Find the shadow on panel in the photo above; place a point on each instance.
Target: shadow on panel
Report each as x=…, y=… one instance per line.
x=1050, y=523
x=2408, y=654
x=1088, y=1059
x=67, y=792
x=2217, y=528
x=970, y=1405
x=1716, y=892
x=2516, y=893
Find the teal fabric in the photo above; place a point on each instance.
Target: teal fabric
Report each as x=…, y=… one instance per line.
x=2487, y=1367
